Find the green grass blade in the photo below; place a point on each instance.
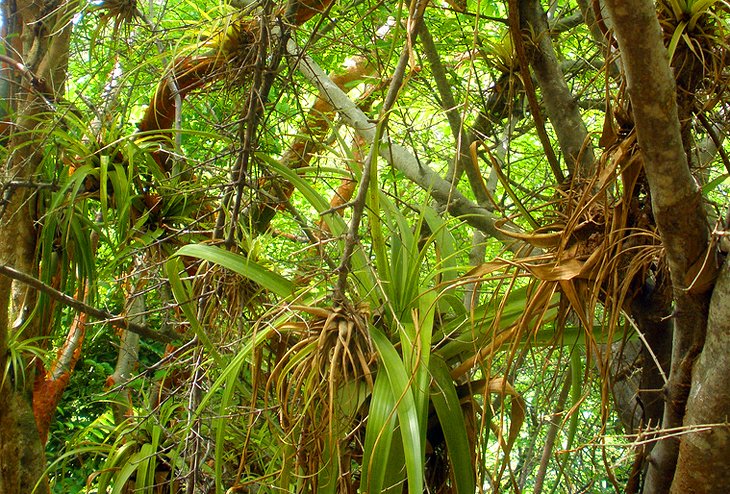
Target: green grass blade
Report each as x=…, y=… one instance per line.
x=330, y=467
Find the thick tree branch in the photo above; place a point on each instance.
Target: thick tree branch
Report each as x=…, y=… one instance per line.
x=676, y=204
x=516, y=33
x=78, y=305
x=703, y=454
x=400, y=158
x=651, y=87
x=560, y=105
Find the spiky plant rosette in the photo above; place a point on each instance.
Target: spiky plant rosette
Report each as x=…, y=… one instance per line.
x=122, y=11
x=235, y=47
x=696, y=35
x=324, y=374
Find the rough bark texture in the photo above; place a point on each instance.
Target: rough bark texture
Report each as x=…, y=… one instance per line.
x=676, y=203
x=21, y=453
x=652, y=311
x=704, y=454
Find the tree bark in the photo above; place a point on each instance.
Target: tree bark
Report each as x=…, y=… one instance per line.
x=704, y=453
x=676, y=204
x=560, y=105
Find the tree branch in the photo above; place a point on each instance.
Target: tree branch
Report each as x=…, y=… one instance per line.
x=78, y=305
x=463, y=138
x=560, y=105
x=676, y=203
x=401, y=159
x=702, y=464
x=516, y=33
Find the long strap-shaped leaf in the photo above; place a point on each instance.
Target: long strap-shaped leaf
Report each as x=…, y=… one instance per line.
x=448, y=409
x=406, y=410
x=240, y=264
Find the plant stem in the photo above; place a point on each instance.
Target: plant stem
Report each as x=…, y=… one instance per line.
x=370, y=165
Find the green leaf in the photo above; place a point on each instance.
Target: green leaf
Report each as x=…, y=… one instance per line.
x=448, y=409
x=241, y=265
x=128, y=468
x=714, y=183
x=228, y=382
x=406, y=409
x=379, y=435
x=184, y=298
x=335, y=223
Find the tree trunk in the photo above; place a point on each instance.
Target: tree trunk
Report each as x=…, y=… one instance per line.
x=704, y=453
x=676, y=204
x=41, y=33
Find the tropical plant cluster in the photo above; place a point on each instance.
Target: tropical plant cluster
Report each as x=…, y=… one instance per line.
x=358, y=246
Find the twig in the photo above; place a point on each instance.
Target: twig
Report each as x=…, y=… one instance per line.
x=715, y=139
x=264, y=76
x=552, y=434
x=514, y=24
x=69, y=301
x=37, y=84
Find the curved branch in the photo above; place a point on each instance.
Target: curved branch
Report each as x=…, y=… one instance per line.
x=463, y=139
x=401, y=159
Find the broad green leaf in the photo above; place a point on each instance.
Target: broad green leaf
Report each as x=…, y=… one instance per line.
x=329, y=470
x=407, y=412
x=379, y=435
x=576, y=392
x=241, y=265
x=126, y=472
x=444, y=243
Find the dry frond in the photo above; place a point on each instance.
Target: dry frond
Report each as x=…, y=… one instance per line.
x=600, y=248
